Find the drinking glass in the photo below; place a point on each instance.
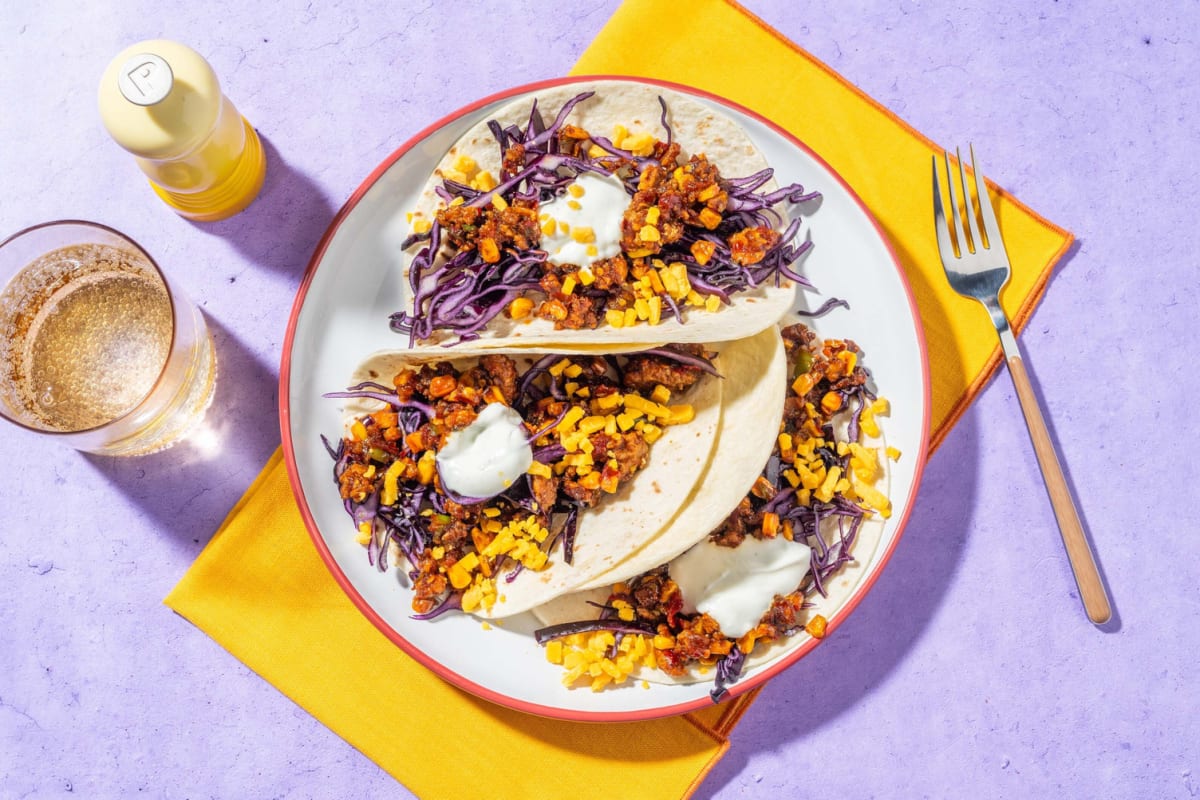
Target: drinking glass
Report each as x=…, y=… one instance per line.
x=98, y=348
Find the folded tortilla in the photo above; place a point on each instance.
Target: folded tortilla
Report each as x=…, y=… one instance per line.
x=685, y=503
x=582, y=604
x=620, y=523
x=698, y=128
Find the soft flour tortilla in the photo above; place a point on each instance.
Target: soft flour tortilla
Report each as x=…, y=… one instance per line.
x=620, y=523
x=753, y=385
x=754, y=390
x=698, y=129
x=579, y=605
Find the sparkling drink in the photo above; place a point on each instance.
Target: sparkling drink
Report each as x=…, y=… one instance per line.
x=96, y=346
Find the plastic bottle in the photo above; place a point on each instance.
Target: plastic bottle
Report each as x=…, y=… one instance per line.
x=161, y=101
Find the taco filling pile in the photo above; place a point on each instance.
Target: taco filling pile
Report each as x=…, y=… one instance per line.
x=475, y=471
x=668, y=512
x=746, y=584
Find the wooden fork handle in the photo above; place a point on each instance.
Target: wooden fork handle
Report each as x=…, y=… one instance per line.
x=1083, y=562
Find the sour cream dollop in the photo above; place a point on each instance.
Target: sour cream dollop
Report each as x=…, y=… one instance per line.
x=735, y=585
x=484, y=458
x=587, y=220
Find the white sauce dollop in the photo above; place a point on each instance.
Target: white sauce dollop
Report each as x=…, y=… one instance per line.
x=735, y=585
x=484, y=458
x=592, y=203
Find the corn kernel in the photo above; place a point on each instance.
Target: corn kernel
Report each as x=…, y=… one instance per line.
x=709, y=218
x=575, y=190
x=831, y=402
x=484, y=182
x=630, y=317
x=702, y=251
x=358, y=431
x=568, y=284
x=828, y=486
x=661, y=394
x=615, y=318
x=554, y=651
x=641, y=144
x=549, y=226
x=421, y=225
x=586, y=276
x=564, y=227
x=465, y=164
x=499, y=203
x=489, y=251
x=590, y=425
x=803, y=384
x=520, y=308
x=365, y=532
x=609, y=402
x=458, y=576
x=574, y=204
x=591, y=480
x=649, y=233
x=893, y=453
x=712, y=303
x=816, y=627
x=426, y=466
x=680, y=414
x=583, y=234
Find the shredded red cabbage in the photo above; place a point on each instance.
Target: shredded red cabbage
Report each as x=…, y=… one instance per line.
x=729, y=669
x=826, y=307
x=464, y=293
x=543, y=635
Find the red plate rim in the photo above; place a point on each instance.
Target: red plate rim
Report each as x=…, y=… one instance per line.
x=416, y=653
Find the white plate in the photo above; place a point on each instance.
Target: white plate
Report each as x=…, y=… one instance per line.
x=341, y=315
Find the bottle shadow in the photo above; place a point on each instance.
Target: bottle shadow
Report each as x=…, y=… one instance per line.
x=281, y=228
x=189, y=488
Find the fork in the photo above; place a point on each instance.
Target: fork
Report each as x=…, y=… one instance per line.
x=977, y=267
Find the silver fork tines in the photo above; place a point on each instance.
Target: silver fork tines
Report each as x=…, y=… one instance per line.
x=977, y=266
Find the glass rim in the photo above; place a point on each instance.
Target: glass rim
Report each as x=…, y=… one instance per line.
x=61, y=223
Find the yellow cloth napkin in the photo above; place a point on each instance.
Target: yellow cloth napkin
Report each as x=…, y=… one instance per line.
x=260, y=590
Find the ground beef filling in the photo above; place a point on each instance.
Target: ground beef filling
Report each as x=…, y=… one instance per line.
x=672, y=197
x=820, y=369
x=697, y=638
x=454, y=531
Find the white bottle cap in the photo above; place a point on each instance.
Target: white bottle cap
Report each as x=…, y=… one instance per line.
x=145, y=79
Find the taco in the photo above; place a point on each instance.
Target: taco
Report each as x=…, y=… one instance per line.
x=635, y=214
x=791, y=547
x=493, y=475
x=752, y=377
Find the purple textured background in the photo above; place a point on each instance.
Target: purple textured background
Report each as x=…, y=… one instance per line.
x=969, y=669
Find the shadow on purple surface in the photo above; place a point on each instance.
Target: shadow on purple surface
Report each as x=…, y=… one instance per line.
x=1114, y=624
x=189, y=488
x=281, y=228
